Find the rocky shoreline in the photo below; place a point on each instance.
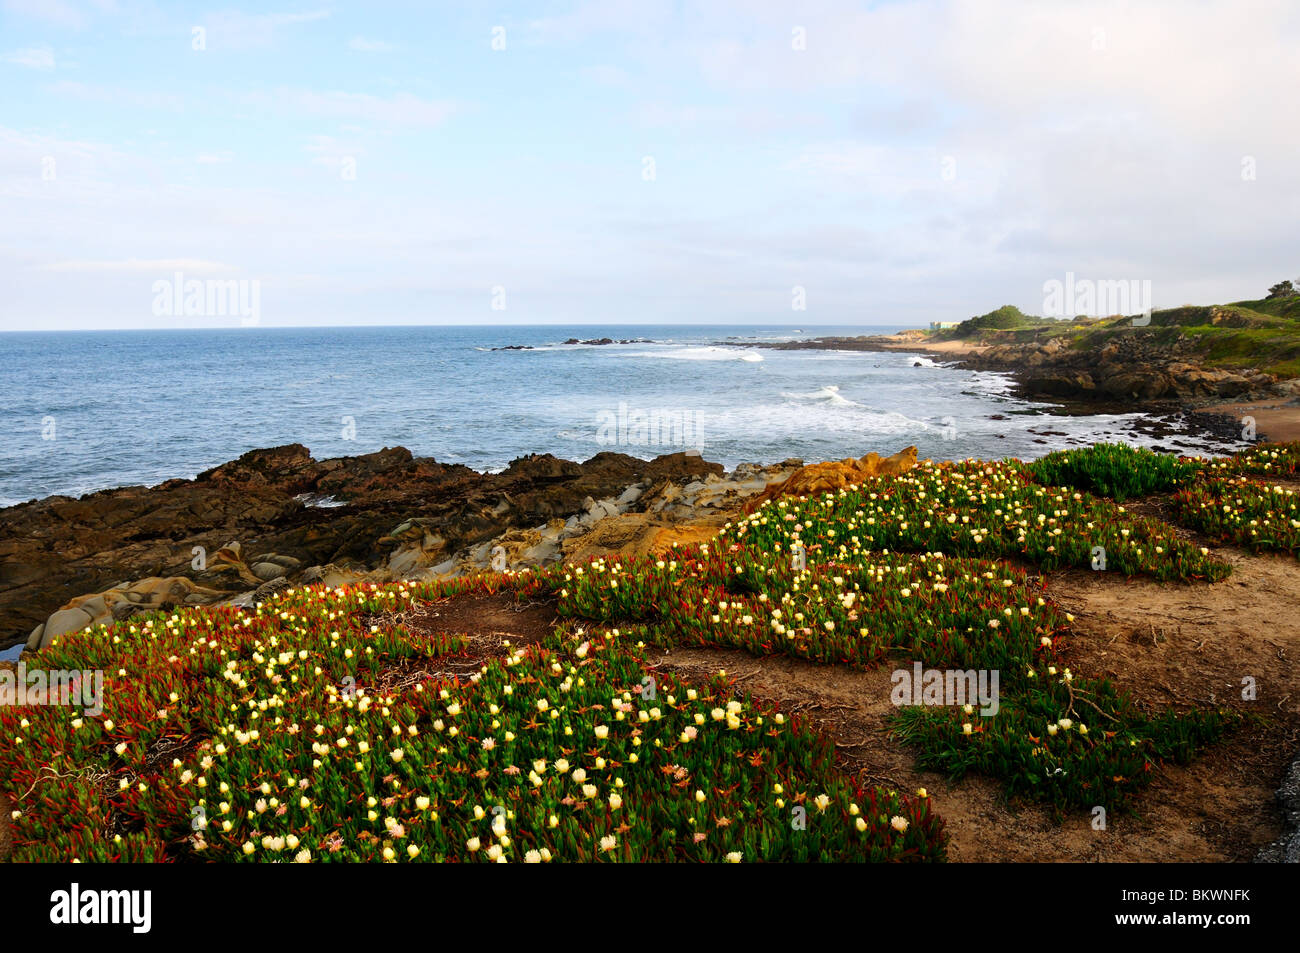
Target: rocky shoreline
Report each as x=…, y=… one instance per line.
x=278, y=517
x=1132, y=373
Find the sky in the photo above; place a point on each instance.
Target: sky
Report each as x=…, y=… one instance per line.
x=637, y=161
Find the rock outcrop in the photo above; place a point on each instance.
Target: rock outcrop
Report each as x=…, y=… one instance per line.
x=1128, y=367
x=1133, y=364
x=58, y=550
x=828, y=477
x=121, y=602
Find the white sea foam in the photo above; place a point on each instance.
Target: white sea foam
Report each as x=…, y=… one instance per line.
x=830, y=394
x=700, y=354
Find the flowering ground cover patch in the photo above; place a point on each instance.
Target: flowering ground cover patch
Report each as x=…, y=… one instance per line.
x=986, y=510
x=802, y=578
x=1248, y=512
x=276, y=734
x=365, y=723
x=1273, y=459
x=1114, y=470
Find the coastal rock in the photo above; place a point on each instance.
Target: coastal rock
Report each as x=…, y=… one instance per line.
x=236, y=526
x=1139, y=384
x=121, y=602
x=1061, y=383
x=828, y=477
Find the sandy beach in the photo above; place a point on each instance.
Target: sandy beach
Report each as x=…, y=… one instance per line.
x=1277, y=419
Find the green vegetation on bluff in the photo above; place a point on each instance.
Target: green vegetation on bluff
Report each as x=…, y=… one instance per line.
x=1263, y=334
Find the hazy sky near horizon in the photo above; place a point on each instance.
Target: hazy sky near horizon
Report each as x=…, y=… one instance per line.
x=640, y=161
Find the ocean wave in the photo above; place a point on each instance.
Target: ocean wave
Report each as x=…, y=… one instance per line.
x=830, y=394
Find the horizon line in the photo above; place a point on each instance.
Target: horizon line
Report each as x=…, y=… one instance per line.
x=325, y=327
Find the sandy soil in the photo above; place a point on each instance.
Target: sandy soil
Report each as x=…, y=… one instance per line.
x=1277, y=419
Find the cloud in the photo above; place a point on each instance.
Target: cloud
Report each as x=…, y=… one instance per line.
x=57, y=12
x=236, y=30
x=95, y=93
x=919, y=160
x=142, y=266
x=401, y=109
x=363, y=45
x=35, y=57
x=606, y=75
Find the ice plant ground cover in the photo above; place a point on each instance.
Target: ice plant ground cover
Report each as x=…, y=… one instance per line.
x=1273, y=459
x=1244, y=511
x=991, y=510
x=1114, y=470
x=319, y=726
x=808, y=578
x=264, y=735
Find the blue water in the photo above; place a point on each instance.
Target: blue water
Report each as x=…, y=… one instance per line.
x=86, y=411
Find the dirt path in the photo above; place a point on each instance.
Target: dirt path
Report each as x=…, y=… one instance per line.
x=1170, y=646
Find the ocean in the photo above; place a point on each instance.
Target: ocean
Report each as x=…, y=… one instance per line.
x=88, y=411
